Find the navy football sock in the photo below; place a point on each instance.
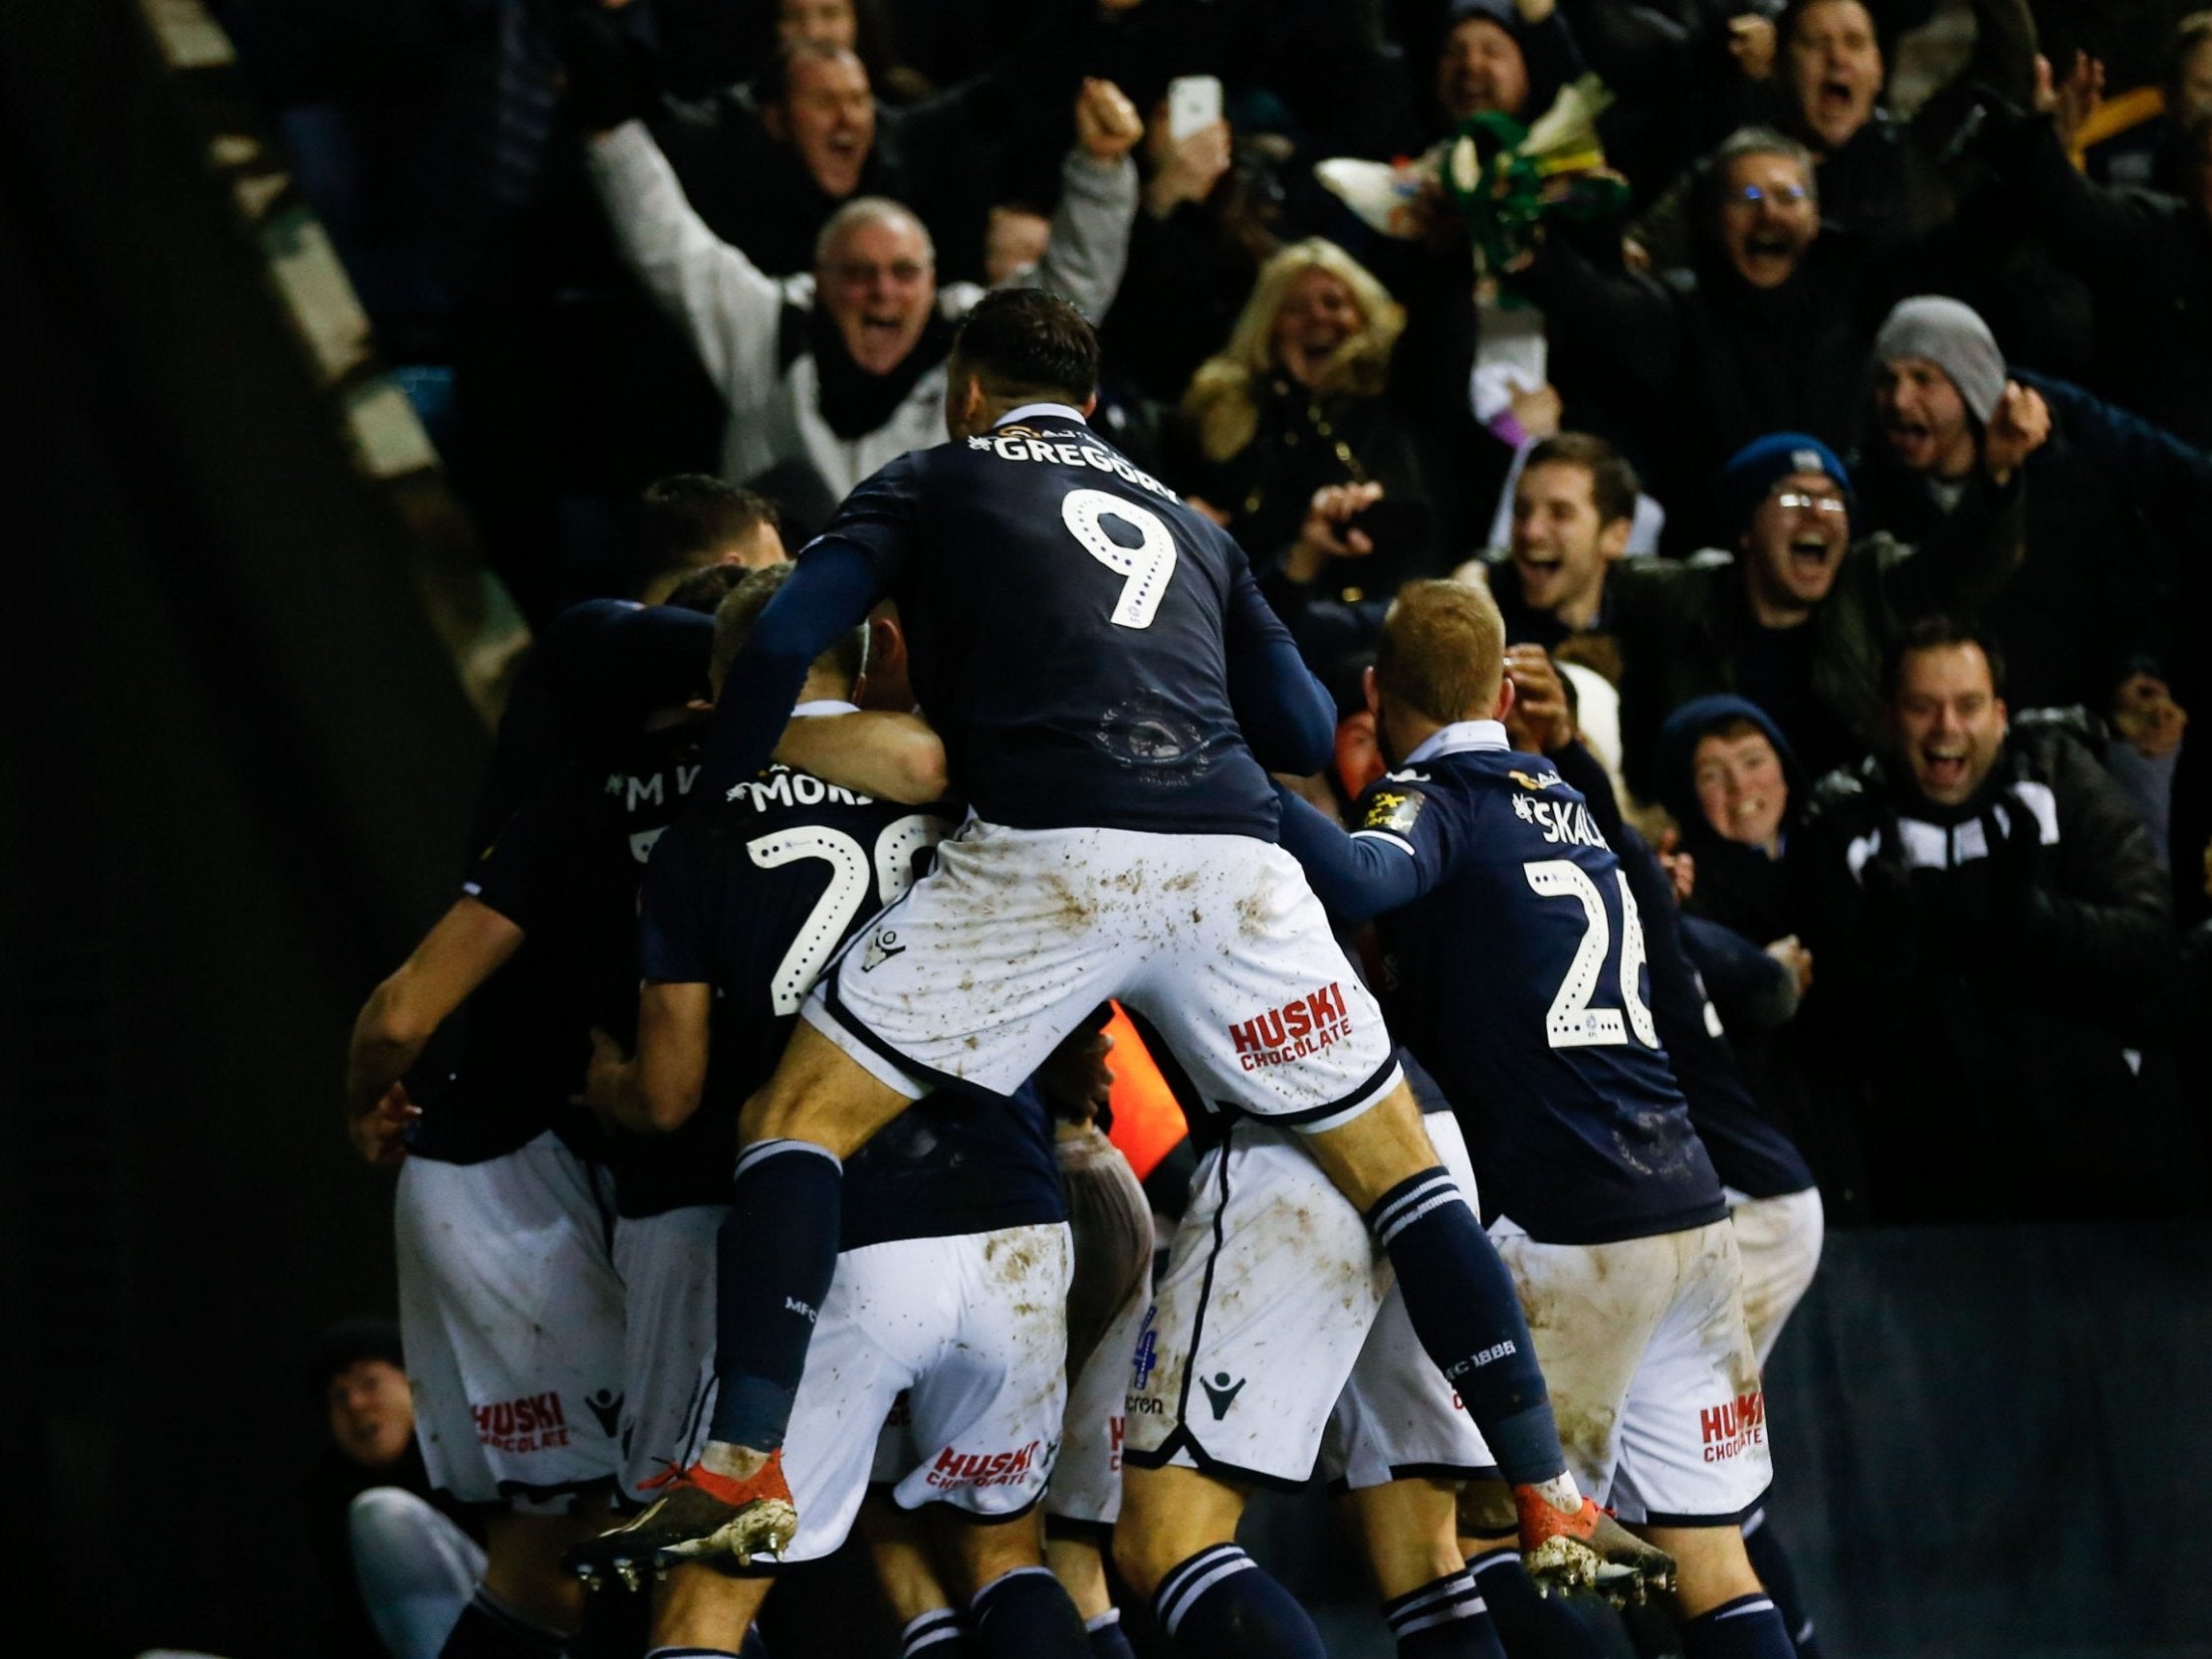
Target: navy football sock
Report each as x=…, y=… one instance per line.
x=1749, y=1627
x=1219, y=1605
x=1771, y=1562
x=1026, y=1612
x=1468, y=1318
x=488, y=1629
x=1534, y=1626
x=1108, y=1639
x=775, y=1259
x=1443, y=1619
x=937, y=1633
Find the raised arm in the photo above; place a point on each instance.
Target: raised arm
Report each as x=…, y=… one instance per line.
x=892, y=757
x=1356, y=876
x=727, y=308
x=1286, y=713
x=1089, y=246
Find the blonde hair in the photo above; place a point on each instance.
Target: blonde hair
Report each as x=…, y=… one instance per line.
x=1442, y=651
x=1222, y=401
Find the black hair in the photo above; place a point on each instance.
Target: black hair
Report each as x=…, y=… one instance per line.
x=684, y=521
x=1938, y=632
x=1028, y=343
x=347, y=1343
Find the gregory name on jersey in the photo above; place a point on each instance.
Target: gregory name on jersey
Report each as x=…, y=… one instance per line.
x=1066, y=449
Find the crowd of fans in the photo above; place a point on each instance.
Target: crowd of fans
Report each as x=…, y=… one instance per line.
x=1853, y=472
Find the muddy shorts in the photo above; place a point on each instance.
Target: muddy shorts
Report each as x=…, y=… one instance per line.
x=667, y=1264
x=1778, y=1240
x=972, y=1330
x=1016, y=936
x=511, y=1315
x=1650, y=1368
x=1267, y=1332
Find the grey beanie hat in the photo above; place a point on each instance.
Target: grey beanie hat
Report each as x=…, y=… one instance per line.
x=1952, y=336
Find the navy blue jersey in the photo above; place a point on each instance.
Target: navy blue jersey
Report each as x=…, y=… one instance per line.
x=565, y=868
x=1750, y=1151
x=1083, y=642
x=753, y=897
x=1519, y=978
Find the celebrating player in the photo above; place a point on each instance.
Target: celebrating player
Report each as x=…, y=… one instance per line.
x=1097, y=657
x=952, y=1281
x=1608, y=1208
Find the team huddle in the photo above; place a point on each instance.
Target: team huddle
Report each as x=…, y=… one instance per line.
x=822, y=1237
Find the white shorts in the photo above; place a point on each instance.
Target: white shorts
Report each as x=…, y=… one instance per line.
x=511, y=1315
x=1398, y=1417
x=972, y=1329
x=667, y=1264
x=1016, y=936
x=1272, y=1294
x=1652, y=1373
x=1778, y=1240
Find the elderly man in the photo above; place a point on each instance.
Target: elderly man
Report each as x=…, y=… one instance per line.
x=2081, y=621
x=1993, y=933
x=830, y=375
x=1797, y=620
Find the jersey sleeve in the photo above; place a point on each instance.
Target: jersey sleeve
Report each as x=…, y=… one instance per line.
x=674, y=944
x=519, y=874
x=1286, y=713
x=1354, y=877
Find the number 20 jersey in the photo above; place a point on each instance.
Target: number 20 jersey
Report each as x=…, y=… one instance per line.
x=1067, y=617
x=1518, y=978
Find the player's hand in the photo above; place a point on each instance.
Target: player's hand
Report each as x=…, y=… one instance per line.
x=1107, y=126
x=2147, y=715
x=606, y=1079
x=1323, y=536
x=1791, y=952
x=379, y=1134
x=1183, y=169
x=2070, y=101
x=1680, y=867
x=1751, y=44
x=2018, y=428
x=1075, y=1080
x=1540, y=709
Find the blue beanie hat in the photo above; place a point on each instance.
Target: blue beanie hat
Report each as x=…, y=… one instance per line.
x=1761, y=464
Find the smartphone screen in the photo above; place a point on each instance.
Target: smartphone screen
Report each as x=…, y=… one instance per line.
x=1194, y=102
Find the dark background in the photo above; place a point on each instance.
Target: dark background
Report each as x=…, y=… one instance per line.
x=237, y=772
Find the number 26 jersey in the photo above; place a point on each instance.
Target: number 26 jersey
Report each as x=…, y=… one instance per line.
x=1518, y=978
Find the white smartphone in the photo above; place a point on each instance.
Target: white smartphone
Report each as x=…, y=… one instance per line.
x=1194, y=102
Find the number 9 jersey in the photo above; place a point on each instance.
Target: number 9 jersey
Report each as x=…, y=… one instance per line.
x=1519, y=981
x=1067, y=616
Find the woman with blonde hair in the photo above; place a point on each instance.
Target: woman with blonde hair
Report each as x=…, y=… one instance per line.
x=1298, y=402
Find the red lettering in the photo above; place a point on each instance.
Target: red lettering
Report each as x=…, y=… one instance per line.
x=949, y=1462
x=1297, y=1018
x=1270, y=1027
x=1710, y=1421
x=1248, y=1039
x=553, y=1413
x=1318, y=1008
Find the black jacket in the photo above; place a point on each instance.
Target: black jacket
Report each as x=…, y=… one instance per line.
x=1991, y=976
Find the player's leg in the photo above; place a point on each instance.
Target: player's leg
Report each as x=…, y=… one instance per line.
x=511, y=1316
x=699, y=1611
x=1079, y=1559
x=1016, y=1607
x=930, y=1626
x=1465, y=1308
x=1778, y=1241
x=1177, y=1546
x=416, y=1569
x=1693, y=1449
x=1431, y=1602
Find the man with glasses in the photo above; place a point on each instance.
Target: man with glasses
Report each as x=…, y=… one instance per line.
x=1798, y=618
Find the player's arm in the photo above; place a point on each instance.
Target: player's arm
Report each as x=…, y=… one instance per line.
x=470, y=944
x=841, y=574
x=892, y=757
x=1286, y=713
x=1356, y=876
x=658, y=1089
